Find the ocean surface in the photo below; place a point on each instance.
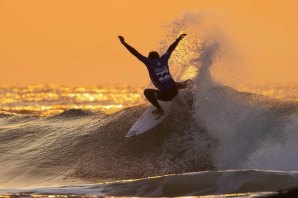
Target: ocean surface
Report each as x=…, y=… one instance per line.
x=219, y=140
x=46, y=100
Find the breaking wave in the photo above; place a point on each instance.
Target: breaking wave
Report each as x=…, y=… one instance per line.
x=211, y=127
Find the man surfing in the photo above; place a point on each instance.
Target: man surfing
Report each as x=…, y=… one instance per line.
x=160, y=76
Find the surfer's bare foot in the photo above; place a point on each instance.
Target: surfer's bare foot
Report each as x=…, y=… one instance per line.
x=189, y=83
x=158, y=112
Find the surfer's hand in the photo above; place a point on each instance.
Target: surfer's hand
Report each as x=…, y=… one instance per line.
x=182, y=36
x=121, y=39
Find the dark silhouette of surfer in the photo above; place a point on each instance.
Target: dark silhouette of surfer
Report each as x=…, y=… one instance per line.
x=158, y=69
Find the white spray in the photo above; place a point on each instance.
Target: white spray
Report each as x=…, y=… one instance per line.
x=249, y=134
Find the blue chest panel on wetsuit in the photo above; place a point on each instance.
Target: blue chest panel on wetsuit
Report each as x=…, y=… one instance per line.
x=159, y=74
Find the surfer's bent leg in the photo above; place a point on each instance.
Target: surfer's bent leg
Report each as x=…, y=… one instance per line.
x=151, y=95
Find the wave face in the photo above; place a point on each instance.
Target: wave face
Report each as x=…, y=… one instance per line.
x=211, y=127
x=82, y=145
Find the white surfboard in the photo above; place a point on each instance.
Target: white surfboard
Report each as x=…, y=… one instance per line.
x=148, y=120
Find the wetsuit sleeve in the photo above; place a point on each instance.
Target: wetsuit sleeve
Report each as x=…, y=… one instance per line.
x=135, y=52
x=172, y=48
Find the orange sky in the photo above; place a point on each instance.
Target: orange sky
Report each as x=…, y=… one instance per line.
x=75, y=42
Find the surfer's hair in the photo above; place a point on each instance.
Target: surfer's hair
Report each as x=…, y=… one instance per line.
x=153, y=55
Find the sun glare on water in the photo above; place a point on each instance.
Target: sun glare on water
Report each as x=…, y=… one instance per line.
x=283, y=93
x=48, y=100
x=53, y=99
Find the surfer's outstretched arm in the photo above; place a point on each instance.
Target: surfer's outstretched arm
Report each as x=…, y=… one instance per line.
x=174, y=45
x=132, y=50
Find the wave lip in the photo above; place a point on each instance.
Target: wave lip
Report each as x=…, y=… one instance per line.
x=74, y=113
x=190, y=184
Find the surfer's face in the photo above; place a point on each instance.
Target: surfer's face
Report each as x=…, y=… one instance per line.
x=153, y=55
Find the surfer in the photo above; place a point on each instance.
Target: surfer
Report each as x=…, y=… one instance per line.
x=160, y=76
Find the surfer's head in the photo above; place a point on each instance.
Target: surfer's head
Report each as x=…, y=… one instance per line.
x=153, y=55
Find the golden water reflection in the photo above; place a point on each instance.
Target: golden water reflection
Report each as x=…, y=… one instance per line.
x=52, y=99
x=286, y=93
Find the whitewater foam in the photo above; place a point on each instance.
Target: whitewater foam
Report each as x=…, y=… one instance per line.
x=252, y=131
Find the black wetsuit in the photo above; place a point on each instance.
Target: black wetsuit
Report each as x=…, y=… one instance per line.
x=159, y=73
